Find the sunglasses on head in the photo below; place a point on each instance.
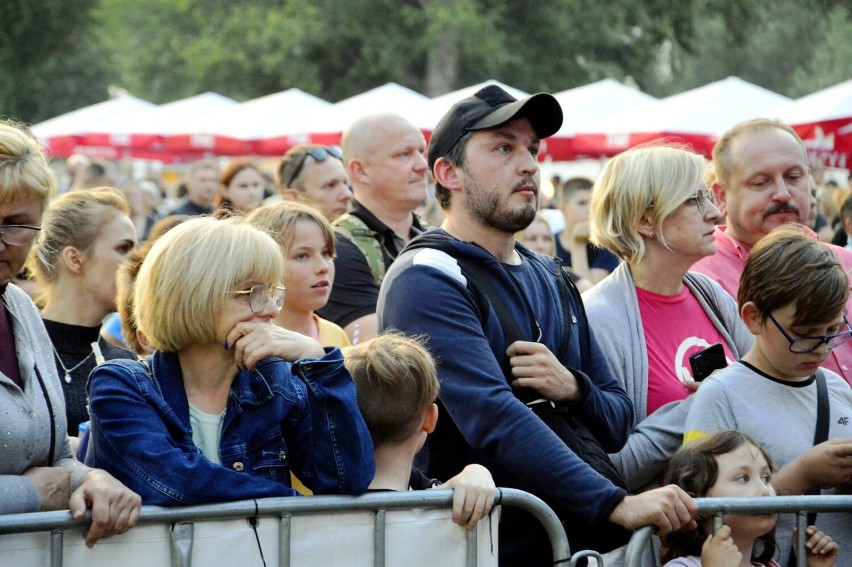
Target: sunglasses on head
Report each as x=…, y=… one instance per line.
x=319, y=154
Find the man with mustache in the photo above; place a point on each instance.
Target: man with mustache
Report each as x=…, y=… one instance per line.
x=483, y=156
x=762, y=181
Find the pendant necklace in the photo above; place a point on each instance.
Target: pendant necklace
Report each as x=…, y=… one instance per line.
x=68, y=371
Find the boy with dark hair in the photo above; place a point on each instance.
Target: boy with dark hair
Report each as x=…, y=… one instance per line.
x=397, y=385
x=792, y=297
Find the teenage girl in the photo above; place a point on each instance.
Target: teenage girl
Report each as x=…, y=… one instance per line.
x=731, y=464
x=307, y=242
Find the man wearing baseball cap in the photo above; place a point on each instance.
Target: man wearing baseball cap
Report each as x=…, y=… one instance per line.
x=444, y=285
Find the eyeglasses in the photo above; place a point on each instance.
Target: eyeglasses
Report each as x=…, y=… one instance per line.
x=319, y=154
x=802, y=345
x=259, y=294
x=701, y=199
x=18, y=234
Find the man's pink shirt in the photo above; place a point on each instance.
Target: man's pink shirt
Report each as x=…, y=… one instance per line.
x=726, y=265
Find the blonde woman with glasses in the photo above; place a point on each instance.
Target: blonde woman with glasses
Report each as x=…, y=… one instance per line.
x=218, y=413
x=652, y=208
x=37, y=469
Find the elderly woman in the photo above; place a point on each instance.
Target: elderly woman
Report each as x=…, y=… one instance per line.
x=213, y=415
x=651, y=208
x=37, y=471
x=85, y=237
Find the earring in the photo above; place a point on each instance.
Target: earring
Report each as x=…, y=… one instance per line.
x=651, y=235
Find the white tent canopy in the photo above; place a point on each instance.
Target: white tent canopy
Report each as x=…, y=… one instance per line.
x=261, y=117
x=85, y=119
x=828, y=104
x=391, y=98
x=169, y=118
x=585, y=105
x=710, y=109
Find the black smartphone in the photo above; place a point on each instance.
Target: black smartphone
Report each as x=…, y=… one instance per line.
x=704, y=362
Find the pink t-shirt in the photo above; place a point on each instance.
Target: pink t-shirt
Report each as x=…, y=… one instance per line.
x=727, y=264
x=676, y=327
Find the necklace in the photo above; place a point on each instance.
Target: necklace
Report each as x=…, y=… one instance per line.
x=68, y=371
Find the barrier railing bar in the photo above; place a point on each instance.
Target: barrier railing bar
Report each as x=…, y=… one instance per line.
x=48, y=521
x=56, y=548
x=470, y=542
x=774, y=505
x=181, y=537
x=575, y=559
x=284, y=540
x=379, y=539
x=802, y=525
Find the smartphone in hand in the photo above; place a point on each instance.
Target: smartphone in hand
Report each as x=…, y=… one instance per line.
x=704, y=362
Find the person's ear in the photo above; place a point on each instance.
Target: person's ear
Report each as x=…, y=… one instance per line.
x=290, y=194
x=356, y=171
x=144, y=343
x=752, y=317
x=73, y=259
x=721, y=195
x=447, y=174
x=645, y=226
x=430, y=418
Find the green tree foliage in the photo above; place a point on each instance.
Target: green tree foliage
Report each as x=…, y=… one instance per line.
x=49, y=60
x=337, y=48
x=832, y=59
x=60, y=54
x=781, y=46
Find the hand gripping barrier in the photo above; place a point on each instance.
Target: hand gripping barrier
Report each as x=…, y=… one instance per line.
x=718, y=507
x=290, y=531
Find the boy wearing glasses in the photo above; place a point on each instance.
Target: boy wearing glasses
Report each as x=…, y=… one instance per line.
x=792, y=297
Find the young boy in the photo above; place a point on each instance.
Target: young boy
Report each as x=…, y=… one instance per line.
x=584, y=259
x=397, y=385
x=792, y=297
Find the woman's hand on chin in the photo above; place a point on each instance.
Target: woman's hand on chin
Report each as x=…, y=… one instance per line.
x=254, y=341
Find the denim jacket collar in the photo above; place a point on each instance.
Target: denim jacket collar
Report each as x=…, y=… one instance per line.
x=248, y=388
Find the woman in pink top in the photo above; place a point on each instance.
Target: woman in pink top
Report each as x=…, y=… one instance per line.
x=652, y=208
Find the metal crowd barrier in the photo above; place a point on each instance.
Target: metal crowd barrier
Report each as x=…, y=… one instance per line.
x=183, y=520
x=718, y=507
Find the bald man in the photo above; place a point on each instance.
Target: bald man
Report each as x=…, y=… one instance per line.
x=384, y=159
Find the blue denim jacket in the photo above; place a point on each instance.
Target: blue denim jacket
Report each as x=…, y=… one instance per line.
x=281, y=417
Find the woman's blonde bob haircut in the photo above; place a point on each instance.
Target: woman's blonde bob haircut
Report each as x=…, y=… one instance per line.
x=646, y=180
x=24, y=172
x=186, y=278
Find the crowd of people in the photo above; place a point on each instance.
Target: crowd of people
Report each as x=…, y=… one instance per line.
x=305, y=340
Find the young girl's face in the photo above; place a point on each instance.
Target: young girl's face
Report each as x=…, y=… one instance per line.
x=538, y=238
x=309, y=268
x=744, y=473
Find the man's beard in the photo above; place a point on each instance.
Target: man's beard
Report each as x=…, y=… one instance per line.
x=485, y=206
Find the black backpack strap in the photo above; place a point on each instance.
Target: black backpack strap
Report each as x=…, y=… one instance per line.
x=820, y=436
x=823, y=409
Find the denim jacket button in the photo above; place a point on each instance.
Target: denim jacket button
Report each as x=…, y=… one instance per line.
x=282, y=456
x=239, y=467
